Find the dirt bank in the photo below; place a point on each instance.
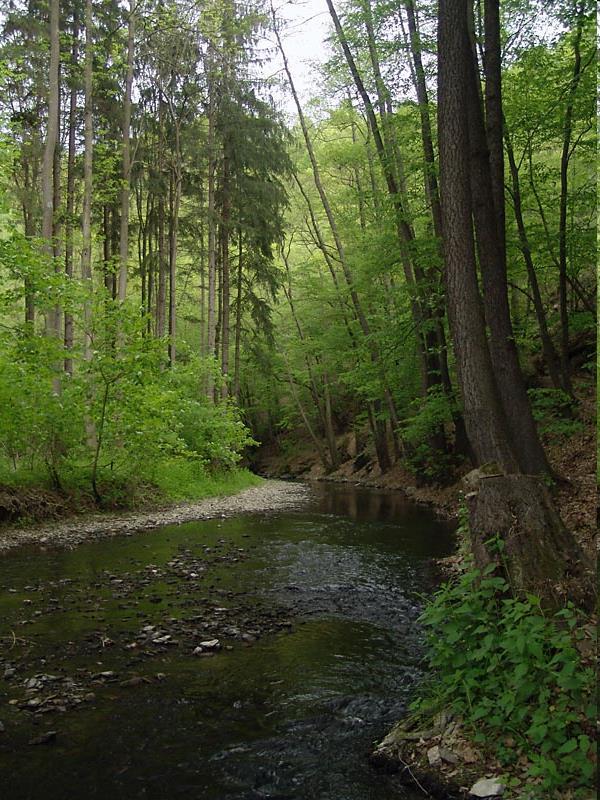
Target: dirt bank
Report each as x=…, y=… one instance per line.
x=272, y=495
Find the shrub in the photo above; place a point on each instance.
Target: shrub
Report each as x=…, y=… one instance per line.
x=511, y=670
x=431, y=417
x=553, y=411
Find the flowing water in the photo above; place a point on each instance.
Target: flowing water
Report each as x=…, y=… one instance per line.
x=286, y=714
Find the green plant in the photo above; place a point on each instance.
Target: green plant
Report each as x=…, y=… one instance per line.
x=511, y=670
x=553, y=410
x=424, y=435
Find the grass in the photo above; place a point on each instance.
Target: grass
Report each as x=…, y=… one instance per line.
x=30, y=495
x=185, y=481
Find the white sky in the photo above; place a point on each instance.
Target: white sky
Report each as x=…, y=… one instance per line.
x=304, y=28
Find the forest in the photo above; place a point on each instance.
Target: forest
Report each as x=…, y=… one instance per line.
x=220, y=262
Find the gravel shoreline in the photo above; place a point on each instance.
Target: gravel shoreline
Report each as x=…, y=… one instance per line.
x=273, y=495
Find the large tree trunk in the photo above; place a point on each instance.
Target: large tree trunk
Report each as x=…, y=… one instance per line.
x=521, y=428
x=539, y=554
x=483, y=413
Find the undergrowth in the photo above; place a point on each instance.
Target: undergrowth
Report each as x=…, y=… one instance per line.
x=514, y=674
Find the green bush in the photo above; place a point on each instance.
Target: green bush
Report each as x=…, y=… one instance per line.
x=108, y=429
x=553, y=411
x=511, y=670
x=431, y=416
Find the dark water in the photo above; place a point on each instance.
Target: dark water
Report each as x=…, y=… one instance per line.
x=292, y=716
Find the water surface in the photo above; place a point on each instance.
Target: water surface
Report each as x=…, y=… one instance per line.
x=290, y=715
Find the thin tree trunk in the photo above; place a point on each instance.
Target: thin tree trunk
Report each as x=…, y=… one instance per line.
x=378, y=431
x=52, y=323
x=550, y=354
x=238, y=322
x=564, y=195
x=225, y=220
x=126, y=169
x=173, y=244
x=70, y=210
x=88, y=150
x=212, y=242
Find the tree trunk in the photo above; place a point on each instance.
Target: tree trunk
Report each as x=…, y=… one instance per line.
x=564, y=194
x=539, y=554
x=521, y=426
x=126, y=169
x=88, y=150
x=212, y=243
x=238, y=322
x=173, y=243
x=380, y=440
x=483, y=414
x=225, y=220
x=550, y=354
x=70, y=210
x=52, y=322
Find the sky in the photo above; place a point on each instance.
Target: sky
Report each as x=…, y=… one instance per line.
x=305, y=25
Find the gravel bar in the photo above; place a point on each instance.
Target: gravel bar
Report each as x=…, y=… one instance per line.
x=272, y=495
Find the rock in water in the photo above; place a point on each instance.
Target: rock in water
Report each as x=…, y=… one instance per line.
x=487, y=787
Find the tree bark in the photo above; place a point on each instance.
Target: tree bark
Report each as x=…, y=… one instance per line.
x=238, y=322
x=52, y=322
x=126, y=168
x=564, y=195
x=88, y=145
x=521, y=426
x=483, y=414
x=212, y=242
x=539, y=556
x=70, y=209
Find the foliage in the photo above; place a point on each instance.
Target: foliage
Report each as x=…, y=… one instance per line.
x=180, y=479
x=431, y=415
x=515, y=675
x=553, y=411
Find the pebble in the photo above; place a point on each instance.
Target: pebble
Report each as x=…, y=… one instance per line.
x=269, y=496
x=487, y=787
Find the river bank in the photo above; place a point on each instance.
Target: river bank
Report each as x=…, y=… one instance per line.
x=270, y=495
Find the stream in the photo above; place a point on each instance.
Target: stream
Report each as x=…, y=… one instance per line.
x=255, y=656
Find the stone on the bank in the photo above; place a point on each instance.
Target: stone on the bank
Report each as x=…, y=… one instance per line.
x=487, y=787
x=437, y=754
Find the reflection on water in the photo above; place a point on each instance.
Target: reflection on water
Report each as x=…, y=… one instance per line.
x=292, y=716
